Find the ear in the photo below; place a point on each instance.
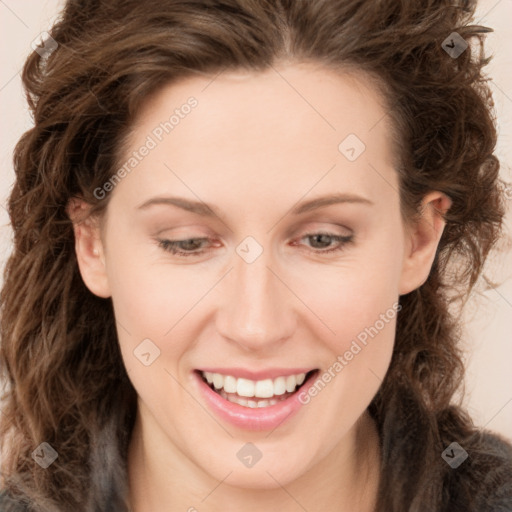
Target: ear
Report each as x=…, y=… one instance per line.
x=89, y=247
x=422, y=240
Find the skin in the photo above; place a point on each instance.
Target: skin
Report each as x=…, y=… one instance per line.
x=254, y=147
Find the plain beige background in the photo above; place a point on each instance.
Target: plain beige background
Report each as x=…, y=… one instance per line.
x=487, y=319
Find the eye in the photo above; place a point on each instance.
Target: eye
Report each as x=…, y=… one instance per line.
x=324, y=238
x=191, y=246
x=176, y=246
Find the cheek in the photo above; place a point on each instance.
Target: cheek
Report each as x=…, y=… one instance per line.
x=352, y=298
x=147, y=294
x=151, y=297
x=360, y=353
x=150, y=301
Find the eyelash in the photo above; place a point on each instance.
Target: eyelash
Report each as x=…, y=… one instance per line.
x=170, y=245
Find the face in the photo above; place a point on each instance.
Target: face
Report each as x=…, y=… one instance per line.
x=221, y=267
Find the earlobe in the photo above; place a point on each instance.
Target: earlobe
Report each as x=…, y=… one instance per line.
x=89, y=248
x=422, y=241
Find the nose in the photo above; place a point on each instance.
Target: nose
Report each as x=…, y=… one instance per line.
x=257, y=308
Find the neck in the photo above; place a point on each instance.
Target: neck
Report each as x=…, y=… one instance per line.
x=163, y=478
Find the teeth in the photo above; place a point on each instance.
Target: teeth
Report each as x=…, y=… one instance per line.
x=230, y=384
x=291, y=382
x=249, y=403
x=280, y=386
x=264, y=388
x=245, y=387
x=267, y=388
x=218, y=381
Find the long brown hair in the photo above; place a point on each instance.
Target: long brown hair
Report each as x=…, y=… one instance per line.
x=66, y=382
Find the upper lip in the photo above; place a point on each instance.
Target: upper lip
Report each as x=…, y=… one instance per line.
x=270, y=373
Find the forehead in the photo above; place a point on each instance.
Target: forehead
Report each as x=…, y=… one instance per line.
x=291, y=124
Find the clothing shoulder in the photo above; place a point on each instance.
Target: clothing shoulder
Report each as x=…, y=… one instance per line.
x=484, y=477
x=9, y=504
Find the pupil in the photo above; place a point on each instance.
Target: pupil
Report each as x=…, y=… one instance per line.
x=189, y=244
x=316, y=237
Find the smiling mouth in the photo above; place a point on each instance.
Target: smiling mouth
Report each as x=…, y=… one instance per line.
x=255, y=394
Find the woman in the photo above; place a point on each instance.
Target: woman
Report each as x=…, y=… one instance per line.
x=238, y=230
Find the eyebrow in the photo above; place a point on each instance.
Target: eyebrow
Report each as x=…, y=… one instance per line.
x=205, y=210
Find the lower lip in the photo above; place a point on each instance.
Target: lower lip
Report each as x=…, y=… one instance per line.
x=259, y=418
